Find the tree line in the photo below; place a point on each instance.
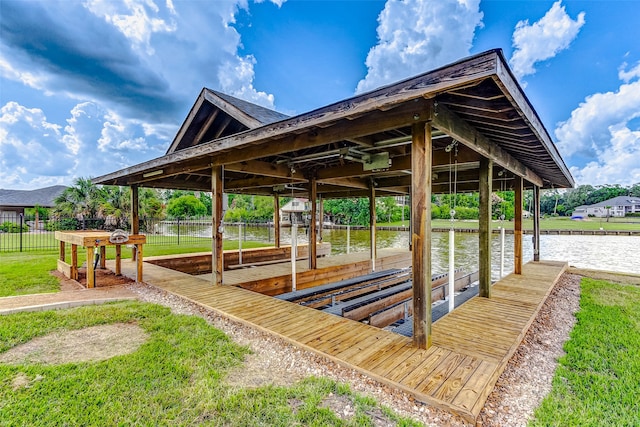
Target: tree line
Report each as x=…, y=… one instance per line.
x=86, y=201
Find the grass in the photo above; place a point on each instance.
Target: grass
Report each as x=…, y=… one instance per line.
x=175, y=378
x=27, y=273
x=597, y=382
x=24, y=273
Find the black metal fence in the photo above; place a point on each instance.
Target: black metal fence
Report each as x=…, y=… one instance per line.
x=24, y=233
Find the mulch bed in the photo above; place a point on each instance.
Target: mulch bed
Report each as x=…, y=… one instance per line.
x=104, y=278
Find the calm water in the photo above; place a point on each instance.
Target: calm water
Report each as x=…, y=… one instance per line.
x=615, y=253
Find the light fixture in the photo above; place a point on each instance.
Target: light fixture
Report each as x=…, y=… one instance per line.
x=154, y=173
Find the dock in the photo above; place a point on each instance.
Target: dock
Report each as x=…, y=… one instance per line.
x=470, y=347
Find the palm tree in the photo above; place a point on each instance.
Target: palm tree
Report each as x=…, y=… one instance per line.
x=116, y=206
x=82, y=201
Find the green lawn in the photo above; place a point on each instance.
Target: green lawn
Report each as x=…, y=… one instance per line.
x=175, y=378
x=597, y=382
x=24, y=273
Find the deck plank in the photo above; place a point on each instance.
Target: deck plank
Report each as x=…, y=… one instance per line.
x=471, y=346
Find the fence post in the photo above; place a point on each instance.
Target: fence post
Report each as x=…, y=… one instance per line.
x=178, y=230
x=21, y=222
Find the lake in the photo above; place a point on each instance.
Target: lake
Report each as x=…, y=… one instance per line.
x=613, y=253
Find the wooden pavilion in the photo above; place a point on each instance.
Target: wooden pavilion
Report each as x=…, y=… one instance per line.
x=396, y=140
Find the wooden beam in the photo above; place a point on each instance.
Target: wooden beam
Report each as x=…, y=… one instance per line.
x=185, y=125
x=261, y=168
x=254, y=182
x=348, y=182
x=168, y=171
x=313, y=196
x=517, y=226
x=447, y=121
x=231, y=109
x=355, y=169
x=421, y=149
x=135, y=218
x=536, y=223
x=205, y=127
x=175, y=184
x=225, y=123
x=398, y=164
x=225, y=150
x=217, y=259
x=264, y=142
x=484, y=229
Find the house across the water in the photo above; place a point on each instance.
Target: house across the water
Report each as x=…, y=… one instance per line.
x=619, y=207
x=295, y=211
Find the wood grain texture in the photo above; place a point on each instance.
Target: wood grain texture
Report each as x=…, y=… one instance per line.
x=471, y=346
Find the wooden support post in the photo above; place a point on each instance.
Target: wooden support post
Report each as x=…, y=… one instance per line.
x=103, y=257
x=486, y=174
x=62, y=253
x=313, y=196
x=216, y=245
x=421, y=148
x=74, y=261
x=517, y=226
x=536, y=223
x=135, y=218
x=118, y=260
x=320, y=217
x=91, y=283
x=276, y=219
x=139, y=263
x=372, y=224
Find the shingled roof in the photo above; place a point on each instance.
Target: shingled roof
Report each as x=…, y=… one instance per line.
x=215, y=115
x=475, y=107
x=30, y=198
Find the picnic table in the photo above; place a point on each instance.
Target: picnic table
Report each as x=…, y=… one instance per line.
x=92, y=239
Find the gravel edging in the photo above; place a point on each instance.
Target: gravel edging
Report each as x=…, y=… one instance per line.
x=525, y=381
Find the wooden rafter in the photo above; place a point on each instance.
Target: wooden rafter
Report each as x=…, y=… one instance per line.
x=449, y=122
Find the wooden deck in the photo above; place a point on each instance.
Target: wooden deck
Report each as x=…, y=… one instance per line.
x=471, y=346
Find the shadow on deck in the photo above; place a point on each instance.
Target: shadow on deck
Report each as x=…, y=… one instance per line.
x=471, y=346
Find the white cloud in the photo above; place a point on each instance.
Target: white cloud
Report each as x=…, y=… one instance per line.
x=629, y=75
x=236, y=78
x=543, y=39
x=26, y=77
x=604, y=130
x=133, y=69
x=145, y=58
x=30, y=146
x=35, y=152
x=618, y=163
x=134, y=19
x=415, y=36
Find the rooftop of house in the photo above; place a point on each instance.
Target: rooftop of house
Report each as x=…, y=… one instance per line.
x=30, y=198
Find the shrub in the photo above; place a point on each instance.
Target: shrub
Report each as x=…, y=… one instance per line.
x=12, y=227
x=63, y=224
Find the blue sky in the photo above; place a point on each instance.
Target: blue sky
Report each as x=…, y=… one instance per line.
x=90, y=87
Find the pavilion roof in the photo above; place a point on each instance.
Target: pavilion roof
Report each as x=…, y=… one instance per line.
x=475, y=106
